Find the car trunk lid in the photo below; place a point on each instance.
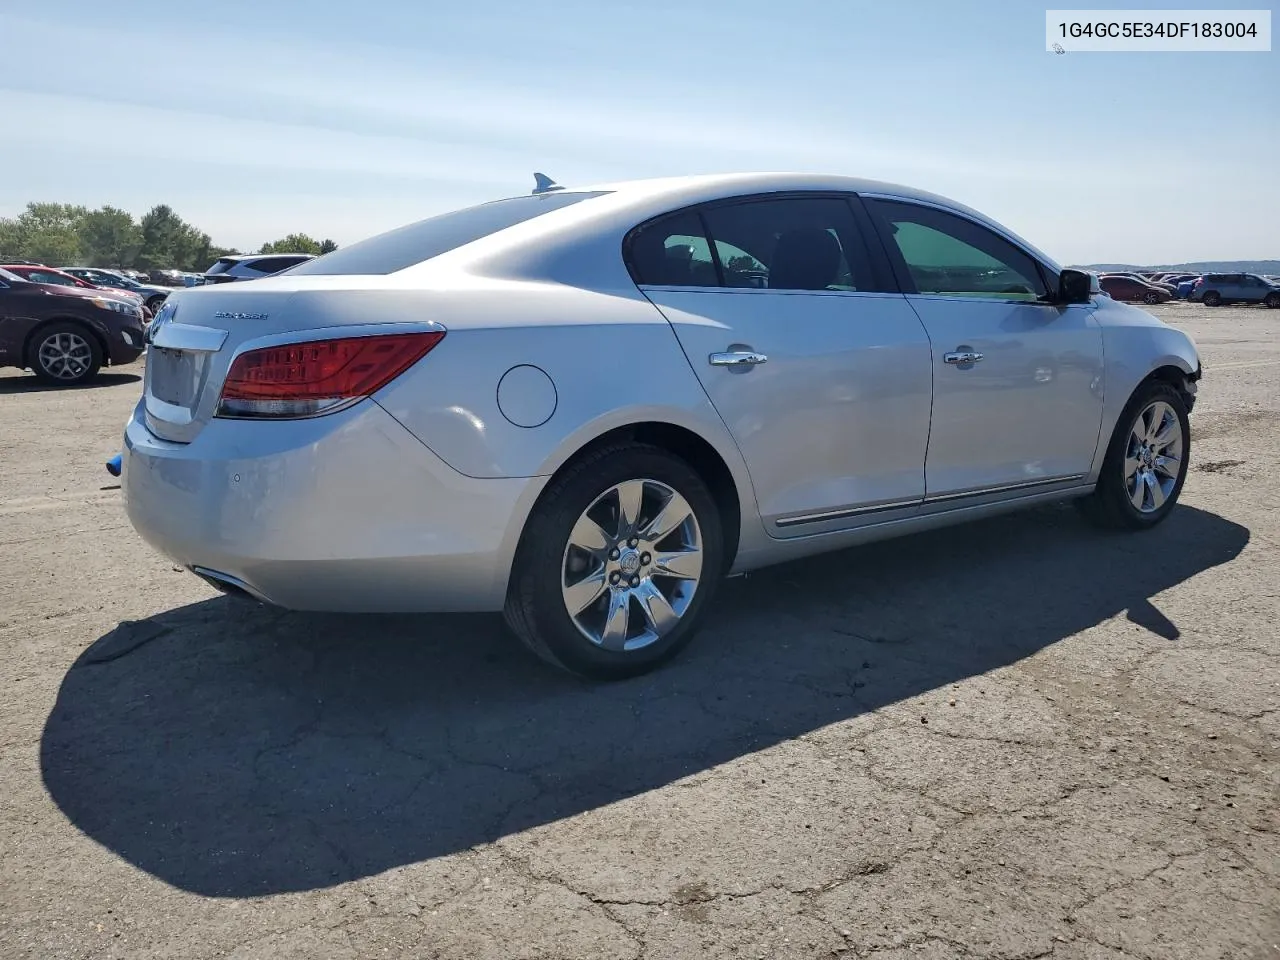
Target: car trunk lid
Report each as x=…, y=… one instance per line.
x=199, y=330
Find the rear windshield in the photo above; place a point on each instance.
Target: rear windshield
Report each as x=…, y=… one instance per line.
x=403, y=247
x=222, y=265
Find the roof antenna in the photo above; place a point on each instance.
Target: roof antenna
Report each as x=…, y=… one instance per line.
x=544, y=184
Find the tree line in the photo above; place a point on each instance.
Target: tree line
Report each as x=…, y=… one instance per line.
x=66, y=235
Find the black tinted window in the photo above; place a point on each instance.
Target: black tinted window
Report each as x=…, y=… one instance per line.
x=269, y=265
x=950, y=255
x=672, y=252
x=406, y=246
x=796, y=243
x=222, y=265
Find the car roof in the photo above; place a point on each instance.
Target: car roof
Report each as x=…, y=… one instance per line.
x=629, y=202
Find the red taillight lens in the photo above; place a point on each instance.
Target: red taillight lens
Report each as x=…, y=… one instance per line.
x=305, y=379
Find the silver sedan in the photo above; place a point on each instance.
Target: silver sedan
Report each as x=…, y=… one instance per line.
x=586, y=407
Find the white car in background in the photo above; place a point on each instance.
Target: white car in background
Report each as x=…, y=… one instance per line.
x=586, y=407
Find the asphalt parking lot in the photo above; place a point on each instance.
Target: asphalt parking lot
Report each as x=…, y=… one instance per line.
x=1018, y=739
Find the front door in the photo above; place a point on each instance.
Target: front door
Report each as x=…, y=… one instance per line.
x=823, y=379
x=1017, y=379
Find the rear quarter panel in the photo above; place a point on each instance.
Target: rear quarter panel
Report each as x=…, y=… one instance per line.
x=612, y=357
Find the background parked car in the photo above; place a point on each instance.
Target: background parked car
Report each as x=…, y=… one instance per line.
x=65, y=334
x=57, y=277
x=1186, y=286
x=1169, y=288
x=1218, y=288
x=152, y=295
x=1133, y=289
x=252, y=266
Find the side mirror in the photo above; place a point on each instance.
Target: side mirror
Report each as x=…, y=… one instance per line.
x=1074, y=286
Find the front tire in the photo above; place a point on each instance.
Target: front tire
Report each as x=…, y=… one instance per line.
x=617, y=563
x=1212, y=299
x=1146, y=461
x=1272, y=300
x=1151, y=298
x=65, y=353
x=154, y=304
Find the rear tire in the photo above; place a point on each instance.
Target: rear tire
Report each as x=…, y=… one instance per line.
x=154, y=304
x=65, y=353
x=1146, y=461
x=1212, y=299
x=599, y=543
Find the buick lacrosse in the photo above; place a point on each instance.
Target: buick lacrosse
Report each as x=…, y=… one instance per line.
x=585, y=407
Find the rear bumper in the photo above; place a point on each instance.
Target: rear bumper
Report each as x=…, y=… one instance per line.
x=348, y=512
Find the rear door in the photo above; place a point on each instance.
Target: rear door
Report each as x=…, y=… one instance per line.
x=820, y=370
x=1017, y=379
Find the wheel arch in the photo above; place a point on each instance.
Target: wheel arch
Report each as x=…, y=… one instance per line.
x=689, y=445
x=28, y=345
x=1177, y=376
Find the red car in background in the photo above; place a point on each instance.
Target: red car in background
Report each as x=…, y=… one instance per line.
x=42, y=274
x=1133, y=290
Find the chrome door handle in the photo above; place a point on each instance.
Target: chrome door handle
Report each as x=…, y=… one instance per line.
x=963, y=356
x=741, y=358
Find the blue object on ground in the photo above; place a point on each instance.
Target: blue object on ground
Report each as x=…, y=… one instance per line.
x=113, y=466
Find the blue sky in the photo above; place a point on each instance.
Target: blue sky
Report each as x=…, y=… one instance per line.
x=255, y=119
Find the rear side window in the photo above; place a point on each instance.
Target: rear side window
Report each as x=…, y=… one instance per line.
x=785, y=243
x=792, y=243
x=406, y=246
x=270, y=264
x=672, y=252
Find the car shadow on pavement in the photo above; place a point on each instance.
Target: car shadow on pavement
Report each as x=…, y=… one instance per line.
x=33, y=384
x=233, y=750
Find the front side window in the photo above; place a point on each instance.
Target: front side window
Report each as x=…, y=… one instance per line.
x=949, y=255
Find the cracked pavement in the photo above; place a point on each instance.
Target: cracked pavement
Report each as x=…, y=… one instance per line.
x=1016, y=739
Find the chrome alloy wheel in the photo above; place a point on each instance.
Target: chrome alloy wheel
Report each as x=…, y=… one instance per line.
x=632, y=565
x=1153, y=457
x=65, y=356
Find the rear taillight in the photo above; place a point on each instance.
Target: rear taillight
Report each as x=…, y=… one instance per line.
x=319, y=376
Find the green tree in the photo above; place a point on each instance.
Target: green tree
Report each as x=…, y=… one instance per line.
x=327, y=246
x=45, y=232
x=191, y=249
x=295, y=243
x=170, y=243
x=109, y=238
x=11, y=246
